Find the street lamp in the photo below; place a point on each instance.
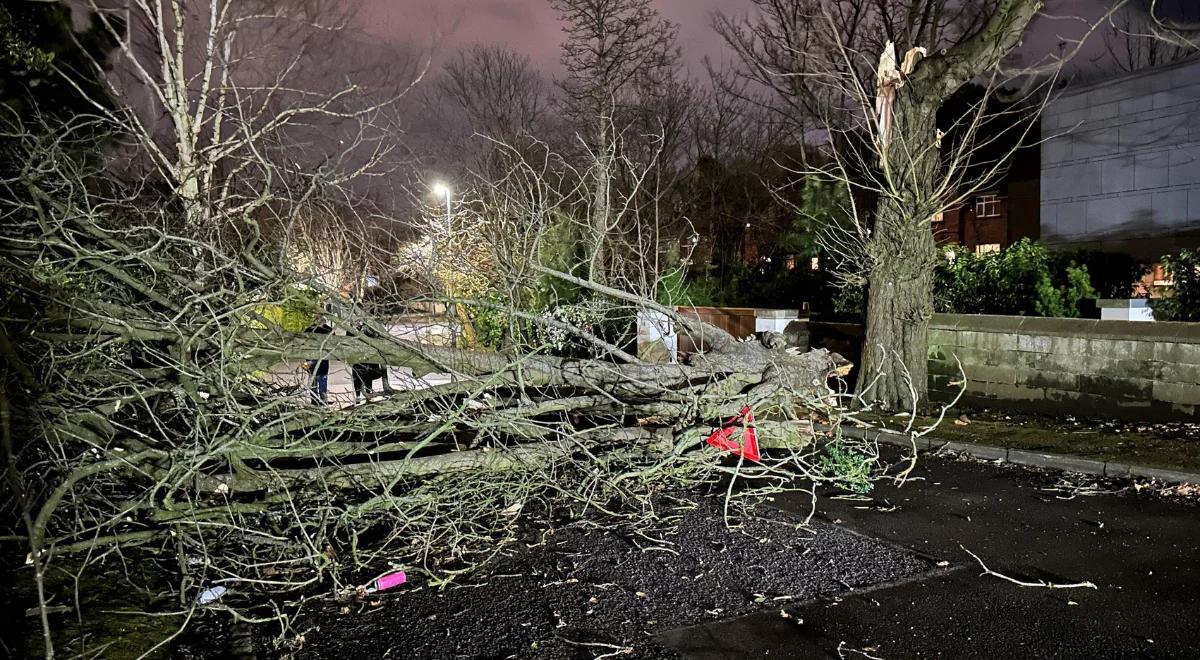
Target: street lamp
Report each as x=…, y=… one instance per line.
x=443, y=190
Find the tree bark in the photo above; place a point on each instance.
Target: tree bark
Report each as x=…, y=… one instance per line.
x=899, y=306
x=902, y=249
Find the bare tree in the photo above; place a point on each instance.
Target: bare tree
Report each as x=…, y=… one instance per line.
x=621, y=59
x=875, y=75
x=1136, y=40
x=503, y=96
x=219, y=100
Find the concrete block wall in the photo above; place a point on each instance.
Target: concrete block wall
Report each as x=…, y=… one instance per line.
x=1146, y=371
x=1121, y=159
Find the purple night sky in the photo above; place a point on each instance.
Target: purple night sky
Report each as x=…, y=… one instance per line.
x=527, y=26
x=531, y=26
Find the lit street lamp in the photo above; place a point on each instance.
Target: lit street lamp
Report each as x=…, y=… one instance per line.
x=443, y=190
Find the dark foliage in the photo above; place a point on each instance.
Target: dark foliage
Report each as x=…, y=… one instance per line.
x=1182, y=303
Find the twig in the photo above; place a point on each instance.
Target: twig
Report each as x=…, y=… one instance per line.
x=1021, y=583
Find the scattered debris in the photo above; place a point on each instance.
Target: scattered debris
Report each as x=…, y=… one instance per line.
x=512, y=509
x=210, y=595
x=1021, y=583
x=388, y=581
x=865, y=651
x=1181, y=490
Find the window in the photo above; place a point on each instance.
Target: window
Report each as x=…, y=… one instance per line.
x=938, y=217
x=987, y=248
x=987, y=206
x=814, y=263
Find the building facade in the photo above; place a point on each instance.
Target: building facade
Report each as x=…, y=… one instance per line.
x=1120, y=164
x=993, y=218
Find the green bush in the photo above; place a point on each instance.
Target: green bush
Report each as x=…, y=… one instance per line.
x=1182, y=302
x=300, y=309
x=849, y=466
x=596, y=315
x=676, y=288
x=1024, y=279
x=850, y=301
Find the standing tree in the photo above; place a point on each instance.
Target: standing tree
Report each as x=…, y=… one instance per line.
x=621, y=61
x=876, y=74
x=1135, y=40
x=504, y=103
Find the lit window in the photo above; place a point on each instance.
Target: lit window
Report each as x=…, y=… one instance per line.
x=987, y=248
x=938, y=217
x=987, y=206
x=815, y=263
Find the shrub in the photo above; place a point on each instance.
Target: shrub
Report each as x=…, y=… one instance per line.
x=676, y=288
x=1182, y=303
x=594, y=315
x=850, y=301
x=299, y=309
x=1111, y=274
x=1023, y=279
x=848, y=466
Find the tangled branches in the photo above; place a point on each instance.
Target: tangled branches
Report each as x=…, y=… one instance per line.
x=139, y=361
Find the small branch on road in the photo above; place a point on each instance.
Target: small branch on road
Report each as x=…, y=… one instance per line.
x=1021, y=583
x=842, y=650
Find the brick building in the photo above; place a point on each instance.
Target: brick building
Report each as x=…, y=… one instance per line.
x=1006, y=209
x=992, y=219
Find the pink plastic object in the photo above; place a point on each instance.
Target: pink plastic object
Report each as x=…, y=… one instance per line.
x=388, y=581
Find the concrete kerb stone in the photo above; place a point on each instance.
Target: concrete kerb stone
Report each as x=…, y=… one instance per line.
x=1056, y=461
x=1064, y=462
x=1169, y=476
x=985, y=452
x=886, y=436
x=1113, y=469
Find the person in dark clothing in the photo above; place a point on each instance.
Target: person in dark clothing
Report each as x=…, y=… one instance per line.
x=318, y=370
x=364, y=375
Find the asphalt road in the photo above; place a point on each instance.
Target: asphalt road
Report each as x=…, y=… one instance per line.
x=1142, y=551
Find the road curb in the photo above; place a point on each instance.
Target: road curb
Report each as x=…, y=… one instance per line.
x=1066, y=462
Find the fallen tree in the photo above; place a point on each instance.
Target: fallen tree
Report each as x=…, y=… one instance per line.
x=139, y=412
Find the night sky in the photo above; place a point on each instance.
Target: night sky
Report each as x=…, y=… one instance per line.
x=528, y=26
x=531, y=26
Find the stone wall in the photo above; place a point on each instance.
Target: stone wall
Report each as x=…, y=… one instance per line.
x=1121, y=160
x=1087, y=367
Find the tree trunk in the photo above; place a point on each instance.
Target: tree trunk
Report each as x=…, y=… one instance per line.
x=895, y=353
x=903, y=252
x=598, y=220
x=902, y=249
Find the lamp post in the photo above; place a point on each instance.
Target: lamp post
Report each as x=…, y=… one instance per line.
x=442, y=190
